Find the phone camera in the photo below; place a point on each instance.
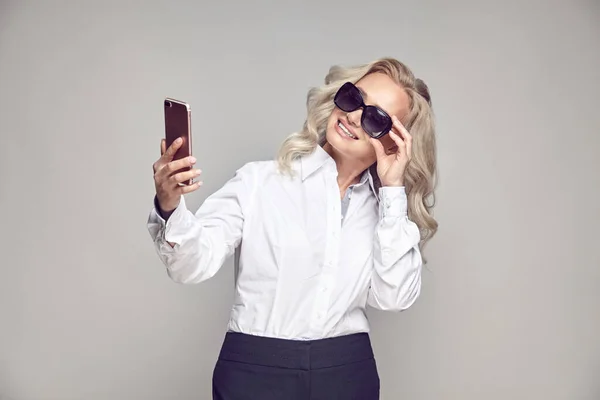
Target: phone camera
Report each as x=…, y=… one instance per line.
x=168, y=103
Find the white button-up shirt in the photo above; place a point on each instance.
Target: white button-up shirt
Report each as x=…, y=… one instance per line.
x=306, y=268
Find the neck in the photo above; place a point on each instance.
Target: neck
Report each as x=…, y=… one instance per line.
x=349, y=171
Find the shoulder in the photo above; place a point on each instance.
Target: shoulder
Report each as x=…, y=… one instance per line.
x=256, y=177
x=257, y=168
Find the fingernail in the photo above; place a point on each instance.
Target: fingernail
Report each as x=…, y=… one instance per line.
x=192, y=159
x=178, y=140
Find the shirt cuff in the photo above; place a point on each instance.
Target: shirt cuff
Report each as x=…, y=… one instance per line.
x=168, y=229
x=392, y=202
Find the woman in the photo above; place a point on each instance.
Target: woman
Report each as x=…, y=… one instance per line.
x=336, y=223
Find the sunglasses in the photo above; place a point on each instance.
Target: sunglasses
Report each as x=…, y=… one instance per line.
x=374, y=121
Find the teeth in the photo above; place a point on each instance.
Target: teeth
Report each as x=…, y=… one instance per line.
x=343, y=128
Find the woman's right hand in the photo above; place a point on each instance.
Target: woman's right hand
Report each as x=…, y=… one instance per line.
x=166, y=181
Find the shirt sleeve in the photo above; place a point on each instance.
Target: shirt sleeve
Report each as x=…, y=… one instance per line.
x=204, y=240
x=396, y=277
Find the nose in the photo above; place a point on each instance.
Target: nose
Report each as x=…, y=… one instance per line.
x=354, y=117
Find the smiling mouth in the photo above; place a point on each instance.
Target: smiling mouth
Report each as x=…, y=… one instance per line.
x=346, y=131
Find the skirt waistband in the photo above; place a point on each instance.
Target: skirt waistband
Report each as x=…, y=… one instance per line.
x=296, y=354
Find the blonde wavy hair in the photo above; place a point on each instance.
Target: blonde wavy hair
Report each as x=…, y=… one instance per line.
x=421, y=172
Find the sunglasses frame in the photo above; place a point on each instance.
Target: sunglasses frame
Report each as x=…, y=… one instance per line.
x=364, y=107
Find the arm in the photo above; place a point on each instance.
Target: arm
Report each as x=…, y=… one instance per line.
x=194, y=247
x=396, y=278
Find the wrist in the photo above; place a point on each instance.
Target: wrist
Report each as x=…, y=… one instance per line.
x=163, y=213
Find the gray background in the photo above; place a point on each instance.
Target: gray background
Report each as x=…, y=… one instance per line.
x=510, y=304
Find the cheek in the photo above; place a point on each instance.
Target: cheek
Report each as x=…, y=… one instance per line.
x=332, y=118
x=335, y=115
x=370, y=152
x=331, y=123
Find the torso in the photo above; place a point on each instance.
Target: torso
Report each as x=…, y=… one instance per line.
x=304, y=267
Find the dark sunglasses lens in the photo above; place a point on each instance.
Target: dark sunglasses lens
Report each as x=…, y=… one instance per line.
x=348, y=98
x=375, y=122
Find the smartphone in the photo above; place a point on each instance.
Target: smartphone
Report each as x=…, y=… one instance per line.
x=178, y=124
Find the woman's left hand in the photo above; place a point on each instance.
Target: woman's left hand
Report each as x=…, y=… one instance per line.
x=391, y=167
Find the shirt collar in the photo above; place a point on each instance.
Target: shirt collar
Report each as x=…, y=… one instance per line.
x=312, y=162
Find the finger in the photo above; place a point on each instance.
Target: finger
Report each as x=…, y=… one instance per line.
x=160, y=163
x=185, y=176
x=190, y=188
x=170, y=153
x=176, y=165
x=406, y=136
x=379, y=149
x=401, y=129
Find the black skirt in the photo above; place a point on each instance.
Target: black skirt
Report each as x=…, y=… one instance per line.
x=259, y=368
